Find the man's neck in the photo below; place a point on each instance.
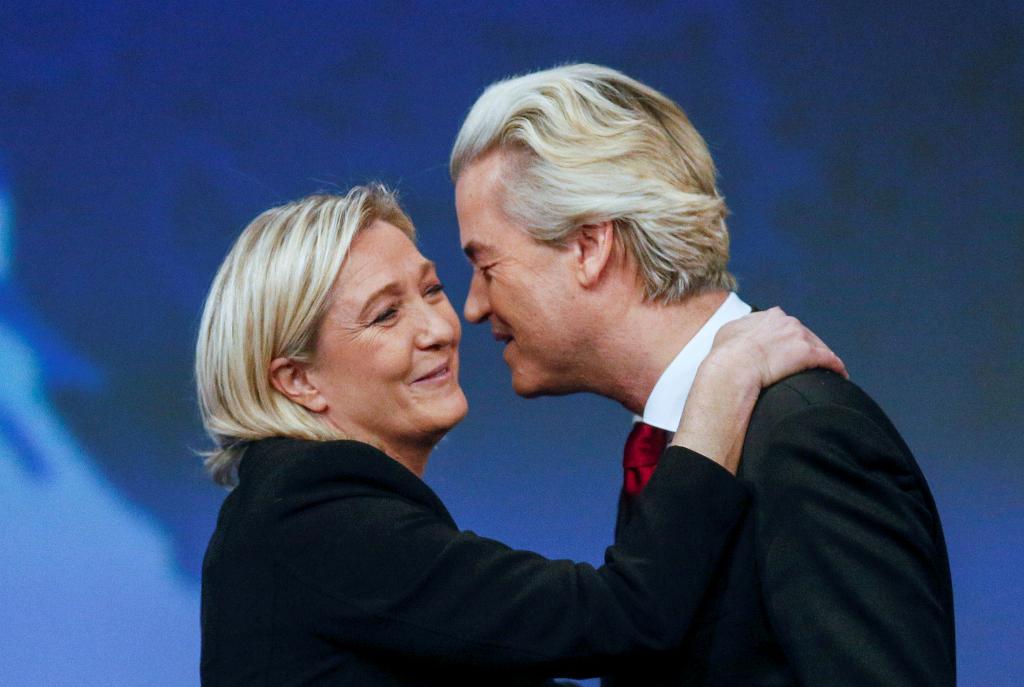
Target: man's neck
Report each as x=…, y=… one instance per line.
x=637, y=349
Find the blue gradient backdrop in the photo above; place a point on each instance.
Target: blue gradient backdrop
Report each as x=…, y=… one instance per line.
x=872, y=158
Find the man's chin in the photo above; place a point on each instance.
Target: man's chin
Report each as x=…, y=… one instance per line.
x=528, y=386
x=528, y=392
x=524, y=386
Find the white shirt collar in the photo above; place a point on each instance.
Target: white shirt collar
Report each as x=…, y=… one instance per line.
x=664, y=406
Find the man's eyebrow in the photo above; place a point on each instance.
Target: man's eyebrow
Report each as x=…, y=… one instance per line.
x=473, y=250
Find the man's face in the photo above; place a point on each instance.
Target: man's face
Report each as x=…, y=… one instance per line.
x=523, y=287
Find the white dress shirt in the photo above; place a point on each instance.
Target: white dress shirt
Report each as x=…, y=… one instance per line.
x=664, y=406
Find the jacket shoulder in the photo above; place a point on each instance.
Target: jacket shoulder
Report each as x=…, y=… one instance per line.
x=809, y=389
x=820, y=417
x=282, y=469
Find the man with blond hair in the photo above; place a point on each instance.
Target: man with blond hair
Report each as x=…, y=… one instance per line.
x=589, y=209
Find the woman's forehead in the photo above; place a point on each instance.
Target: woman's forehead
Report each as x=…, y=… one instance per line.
x=381, y=258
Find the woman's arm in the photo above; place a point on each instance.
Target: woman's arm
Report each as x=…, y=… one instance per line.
x=748, y=354
x=374, y=571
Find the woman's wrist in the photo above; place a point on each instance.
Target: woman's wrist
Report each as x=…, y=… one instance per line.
x=717, y=411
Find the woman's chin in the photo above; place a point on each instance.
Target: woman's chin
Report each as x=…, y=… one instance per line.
x=451, y=411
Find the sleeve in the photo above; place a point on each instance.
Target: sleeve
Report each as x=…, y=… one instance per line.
x=847, y=556
x=385, y=574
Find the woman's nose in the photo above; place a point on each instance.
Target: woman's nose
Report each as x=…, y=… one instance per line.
x=435, y=330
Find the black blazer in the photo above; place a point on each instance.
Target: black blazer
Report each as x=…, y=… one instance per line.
x=332, y=564
x=839, y=574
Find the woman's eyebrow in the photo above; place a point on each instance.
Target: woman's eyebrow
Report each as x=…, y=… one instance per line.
x=393, y=288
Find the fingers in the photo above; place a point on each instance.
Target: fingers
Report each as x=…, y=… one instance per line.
x=809, y=351
x=777, y=345
x=823, y=356
x=820, y=355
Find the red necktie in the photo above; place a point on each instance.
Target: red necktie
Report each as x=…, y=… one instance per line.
x=640, y=457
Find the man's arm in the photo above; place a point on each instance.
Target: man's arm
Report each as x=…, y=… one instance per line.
x=847, y=555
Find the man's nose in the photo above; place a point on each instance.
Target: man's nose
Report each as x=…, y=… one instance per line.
x=477, y=308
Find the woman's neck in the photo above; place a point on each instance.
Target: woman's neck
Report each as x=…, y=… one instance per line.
x=410, y=453
x=412, y=457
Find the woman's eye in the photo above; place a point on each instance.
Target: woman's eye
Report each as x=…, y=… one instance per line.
x=435, y=289
x=385, y=316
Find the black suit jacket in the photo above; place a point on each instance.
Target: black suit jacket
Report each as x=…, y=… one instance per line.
x=839, y=574
x=332, y=564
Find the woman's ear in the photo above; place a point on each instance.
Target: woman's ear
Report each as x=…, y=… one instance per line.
x=592, y=246
x=291, y=378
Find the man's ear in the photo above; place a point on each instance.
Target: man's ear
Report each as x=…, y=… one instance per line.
x=592, y=247
x=291, y=378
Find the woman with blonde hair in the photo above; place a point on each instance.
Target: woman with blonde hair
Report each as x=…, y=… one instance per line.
x=327, y=369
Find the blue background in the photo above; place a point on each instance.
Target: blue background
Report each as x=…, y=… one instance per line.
x=871, y=154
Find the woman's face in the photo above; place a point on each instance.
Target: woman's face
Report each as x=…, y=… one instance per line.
x=387, y=356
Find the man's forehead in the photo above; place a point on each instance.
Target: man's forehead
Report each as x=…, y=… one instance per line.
x=480, y=188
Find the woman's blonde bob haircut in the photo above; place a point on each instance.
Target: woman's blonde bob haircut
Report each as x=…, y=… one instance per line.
x=590, y=144
x=267, y=301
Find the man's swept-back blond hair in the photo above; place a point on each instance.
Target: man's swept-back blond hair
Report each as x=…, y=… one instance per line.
x=267, y=301
x=591, y=144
